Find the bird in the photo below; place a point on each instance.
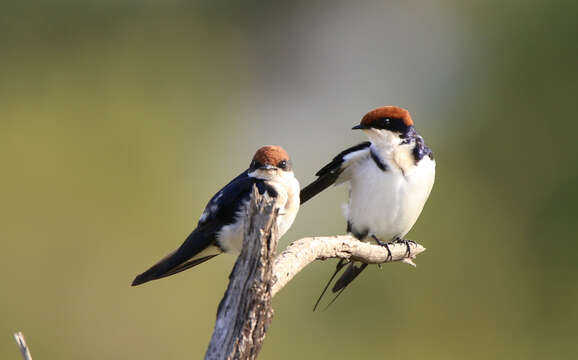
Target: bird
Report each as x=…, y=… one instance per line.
x=221, y=225
x=390, y=179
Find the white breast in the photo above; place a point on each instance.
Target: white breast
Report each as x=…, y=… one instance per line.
x=387, y=203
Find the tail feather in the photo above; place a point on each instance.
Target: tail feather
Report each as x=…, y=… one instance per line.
x=352, y=271
x=348, y=276
x=155, y=274
x=340, y=265
x=189, y=254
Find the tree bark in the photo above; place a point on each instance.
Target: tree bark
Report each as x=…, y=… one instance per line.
x=245, y=311
x=24, y=350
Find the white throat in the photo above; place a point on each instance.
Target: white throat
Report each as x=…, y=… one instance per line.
x=383, y=139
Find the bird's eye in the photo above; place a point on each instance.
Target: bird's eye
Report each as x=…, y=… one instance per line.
x=282, y=164
x=387, y=121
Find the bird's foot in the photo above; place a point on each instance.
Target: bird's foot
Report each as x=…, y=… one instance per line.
x=386, y=246
x=407, y=243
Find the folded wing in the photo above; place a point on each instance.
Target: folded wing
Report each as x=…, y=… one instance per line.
x=336, y=172
x=201, y=245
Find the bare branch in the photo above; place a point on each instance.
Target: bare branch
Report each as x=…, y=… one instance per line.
x=245, y=312
x=24, y=350
x=304, y=251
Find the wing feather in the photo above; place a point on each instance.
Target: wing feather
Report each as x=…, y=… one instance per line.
x=201, y=244
x=335, y=172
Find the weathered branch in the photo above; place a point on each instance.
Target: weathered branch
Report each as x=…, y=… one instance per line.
x=24, y=350
x=245, y=312
x=304, y=251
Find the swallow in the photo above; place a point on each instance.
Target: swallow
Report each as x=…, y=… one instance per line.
x=221, y=225
x=390, y=178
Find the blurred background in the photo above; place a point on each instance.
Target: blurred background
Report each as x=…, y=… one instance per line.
x=120, y=119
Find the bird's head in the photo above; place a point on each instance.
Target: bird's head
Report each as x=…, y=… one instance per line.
x=269, y=161
x=387, y=123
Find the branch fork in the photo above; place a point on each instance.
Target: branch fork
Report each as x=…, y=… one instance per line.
x=245, y=312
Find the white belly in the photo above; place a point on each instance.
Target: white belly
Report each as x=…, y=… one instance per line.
x=387, y=203
x=230, y=238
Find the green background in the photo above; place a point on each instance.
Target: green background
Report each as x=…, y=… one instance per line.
x=120, y=119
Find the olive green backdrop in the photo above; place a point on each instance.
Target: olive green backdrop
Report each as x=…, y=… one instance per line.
x=120, y=119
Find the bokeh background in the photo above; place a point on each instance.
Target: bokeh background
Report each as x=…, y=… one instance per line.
x=119, y=120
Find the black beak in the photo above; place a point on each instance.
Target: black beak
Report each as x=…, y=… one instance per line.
x=360, y=127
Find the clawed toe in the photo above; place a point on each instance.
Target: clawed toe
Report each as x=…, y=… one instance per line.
x=386, y=246
x=406, y=242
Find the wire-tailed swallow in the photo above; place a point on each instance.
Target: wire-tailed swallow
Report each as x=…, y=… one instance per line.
x=220, y=227
x=390, y=178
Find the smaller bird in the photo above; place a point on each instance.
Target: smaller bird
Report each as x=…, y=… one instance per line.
x=220, y=227
x=390, y=178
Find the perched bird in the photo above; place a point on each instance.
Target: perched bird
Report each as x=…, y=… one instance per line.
x=220, y=227
x=390, y=178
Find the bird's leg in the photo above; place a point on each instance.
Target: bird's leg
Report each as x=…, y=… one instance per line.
x=385, y=245
x=406, y=242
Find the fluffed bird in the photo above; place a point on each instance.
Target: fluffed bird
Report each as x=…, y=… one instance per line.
x=221, y=225
x=390, y=178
